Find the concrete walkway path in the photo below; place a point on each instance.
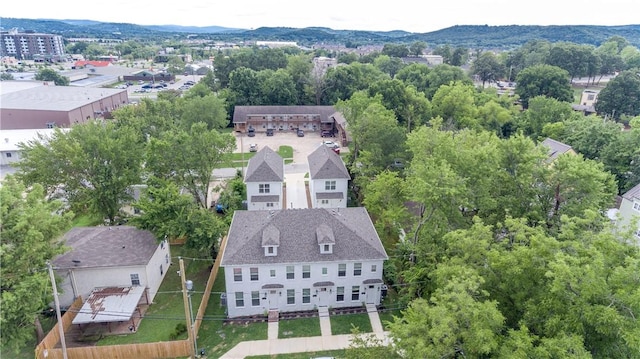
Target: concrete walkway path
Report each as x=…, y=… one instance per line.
x=272, y=330
x=324, y=342
x=325, y=321
x=374, y=318
x=296, y=191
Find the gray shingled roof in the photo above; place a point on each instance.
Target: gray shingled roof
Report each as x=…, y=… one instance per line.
x=355, y=236
x=55, y=98
x=240, y=113
x=556, y=148
x=265, y=199
x=326, y=164
x=329, y=195
x=106, y=247
x=632, y=193
x=265, y=166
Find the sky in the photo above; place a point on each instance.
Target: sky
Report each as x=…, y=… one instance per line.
x=408, y=15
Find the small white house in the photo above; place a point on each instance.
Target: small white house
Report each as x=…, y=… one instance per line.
x=10, y=139
x=118, y=256
x=264, y=180
x=301, y=259
x=629, y=212
x=328, y=179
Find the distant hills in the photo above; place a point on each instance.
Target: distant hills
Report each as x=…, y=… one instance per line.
x=471, y=36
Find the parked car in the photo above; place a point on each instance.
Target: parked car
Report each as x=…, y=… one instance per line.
x=300, y=133
x=397, y=163
x=326, y=134
x=147, y=86
x=253, y=147
x=330, y=144
x=269, y=131
x=251, y=132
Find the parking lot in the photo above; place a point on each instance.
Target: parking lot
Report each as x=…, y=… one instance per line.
x=302, y=146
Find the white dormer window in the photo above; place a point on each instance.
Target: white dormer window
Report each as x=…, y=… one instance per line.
x=326, y=249
x=270, y=251
x=636, y=206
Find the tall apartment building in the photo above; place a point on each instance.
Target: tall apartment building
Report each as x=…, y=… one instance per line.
x=31, y=45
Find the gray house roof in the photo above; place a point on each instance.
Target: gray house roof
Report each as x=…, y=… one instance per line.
x=354, y=234
x=326, y=164
x=556, y=148
x=106, y=247
x=633, y=193
x=240, y=113
x=265, y=166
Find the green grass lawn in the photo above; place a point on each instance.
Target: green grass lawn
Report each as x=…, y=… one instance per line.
x=168, y=309
x=218, y=338
x=302, y=327
x=329, y=353
x=86, y=220
x=342, y=324
x=285, y=152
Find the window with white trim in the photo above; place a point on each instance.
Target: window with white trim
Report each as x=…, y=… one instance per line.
x=253, y=273
x=269, y=204
x=239, y=299
x=324, y=271
x=374, y=268
x=272, y=273
x=355, y=293
x=636, y=206
x=255, y=298
x=263, y=188
x=306, y=295
x=324, y=201
x=329, y=185
x=135, y=279
x=290, y=272
x=237, y=274
x=357, y=269
x=342, y=270
x=291, y=296
x=306, y=271
x=340, y=294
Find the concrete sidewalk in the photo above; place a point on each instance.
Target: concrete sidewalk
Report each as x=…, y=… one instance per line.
x=293, y=345
x=307, y=344
x=296, y=191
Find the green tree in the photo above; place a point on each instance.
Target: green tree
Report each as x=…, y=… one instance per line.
x=47, y=74
x=455, y=104
x=417, y=47
x=277, y=88
x=415, y=75
x=92, y=166
x=385, y=198
x=209, y=109
x=445, y=75
x=546, y=80
x=30, y=227
x=341, y=82
x=458, y=320
x=488, y=67
x=541, y=112
x=395, y=50
x=410, y=107
x=621, y=96
x=388, y=65
x=188, y=158
x=6, y=76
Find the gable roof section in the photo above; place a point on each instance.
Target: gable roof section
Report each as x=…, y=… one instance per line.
x=104, y=246
x=265, y=166
x=353, y=232
x=240, y=113
x=326, y=164
x=633, y=193
x=556, y=148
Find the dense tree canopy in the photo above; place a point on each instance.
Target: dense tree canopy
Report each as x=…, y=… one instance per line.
x=621, y=96
x=30, y=226
x=51, y=75
x=546, y=80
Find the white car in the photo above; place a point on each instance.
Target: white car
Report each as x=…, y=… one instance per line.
x=330, y=144
x=253, y=147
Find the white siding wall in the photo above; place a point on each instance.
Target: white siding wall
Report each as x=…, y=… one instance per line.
x=278, y=297
x=628, y=215
x=253, y=189
x=318, y=185
x=86, y=279
x=162, y=257
x=8, y=157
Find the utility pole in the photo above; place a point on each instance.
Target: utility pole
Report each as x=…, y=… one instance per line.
x=187, y=311
x=63, y=342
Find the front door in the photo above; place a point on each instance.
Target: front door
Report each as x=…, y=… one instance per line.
x=372, y=294
x=324, y=297
x=273, y=297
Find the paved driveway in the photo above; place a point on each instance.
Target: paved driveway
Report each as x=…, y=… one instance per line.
x=302, y=146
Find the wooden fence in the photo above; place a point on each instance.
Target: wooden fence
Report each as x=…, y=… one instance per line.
x=172, y=349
